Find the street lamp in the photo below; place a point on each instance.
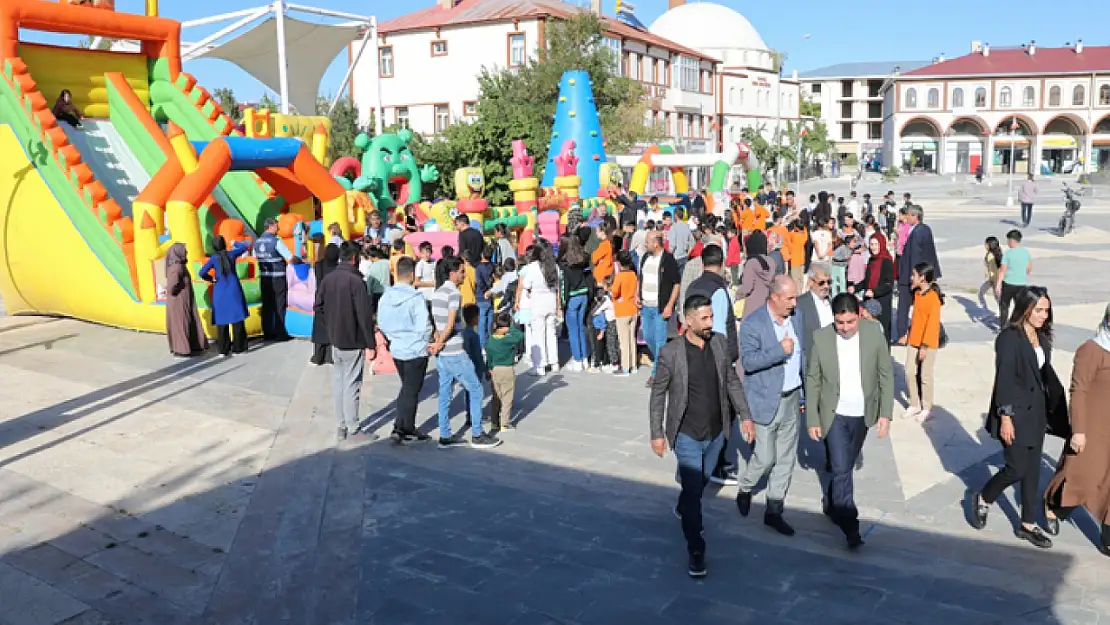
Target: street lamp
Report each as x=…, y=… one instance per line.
x=1010, y=192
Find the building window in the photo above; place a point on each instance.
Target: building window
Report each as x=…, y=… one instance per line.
x=689, y=74
x=439, y=48
x=1027, y=97
x=911, y=98
x=653, y=65
x=846, y=88
x=957, y=98
x=517, y=53
x=470, y=108
x=1005, y=97
x=981, y=98
x=815, y=88
x=614, y=46
x=634, y=65
x=1078, y=96
x=846, y=132
x=1054, y=96
x=933, y=99
x=732, y=95
x=664, y=72
x=401, y=116
x=385, y=62
x=443, y=117
x=1104, y=95
x=846, y=110
x=875, y=130
x=741, y=96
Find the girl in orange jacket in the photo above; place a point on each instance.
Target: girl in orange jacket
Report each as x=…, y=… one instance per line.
x=923, y=341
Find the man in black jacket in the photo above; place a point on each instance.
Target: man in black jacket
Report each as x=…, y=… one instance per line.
x=660, y=279
x=632, y=206
x=471, y=241
x=344, y=302
x=919, y=248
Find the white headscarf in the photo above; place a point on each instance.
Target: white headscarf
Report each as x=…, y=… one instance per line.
x=1102, y=335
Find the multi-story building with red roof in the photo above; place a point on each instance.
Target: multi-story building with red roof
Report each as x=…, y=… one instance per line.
x=1030, y=108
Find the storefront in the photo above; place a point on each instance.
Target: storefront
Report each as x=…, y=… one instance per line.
x=919, y=155
x=1058, y=154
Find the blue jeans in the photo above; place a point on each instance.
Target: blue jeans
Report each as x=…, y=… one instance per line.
x=450, y=369
x=843, y=442
x=696, y=460
x=576, y=326
x=655, y=332
x=485, y=321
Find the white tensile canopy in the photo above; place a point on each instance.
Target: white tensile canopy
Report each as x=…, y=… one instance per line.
x=286, y=54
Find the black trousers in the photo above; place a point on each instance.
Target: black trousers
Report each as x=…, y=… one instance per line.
x=1009, y=292
x=905, y=301
x=1023, y=464
x=275, y=293
x=843, y=443
x=1026, y=213
x=229, y=341
x=412, y=374
x=321, y=354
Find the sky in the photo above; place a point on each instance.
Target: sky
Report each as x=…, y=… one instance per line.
x=813, y=33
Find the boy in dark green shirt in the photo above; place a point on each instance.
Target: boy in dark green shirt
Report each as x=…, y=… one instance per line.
x=500, y=359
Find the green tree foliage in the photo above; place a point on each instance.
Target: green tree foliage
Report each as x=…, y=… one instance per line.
x=345, y=126
x=809, y=109
x=267, y=102
x=816, y=140
x=105, y=43
x=768, y=154
x=226, y=97
x=520, y=104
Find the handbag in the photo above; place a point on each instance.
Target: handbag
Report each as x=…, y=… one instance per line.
x=942, y=340
x=1058, y=423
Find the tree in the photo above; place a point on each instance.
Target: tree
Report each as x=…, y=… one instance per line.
x=226, y=97
x=267, y=102
x=807, y=108
x=519, y=103
x=345, y=126
x=766, y=152
x=816, y=140
x=105, y=43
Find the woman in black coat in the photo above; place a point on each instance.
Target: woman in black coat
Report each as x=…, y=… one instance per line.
x=1024, y=403
x=321, y=345
x=878, y=281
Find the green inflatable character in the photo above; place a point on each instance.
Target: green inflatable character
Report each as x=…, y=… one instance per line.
x=389, y=171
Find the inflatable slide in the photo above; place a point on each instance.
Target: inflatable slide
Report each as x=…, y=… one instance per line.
x=88, y=212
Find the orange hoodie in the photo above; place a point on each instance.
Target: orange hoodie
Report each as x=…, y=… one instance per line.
x=925, y=327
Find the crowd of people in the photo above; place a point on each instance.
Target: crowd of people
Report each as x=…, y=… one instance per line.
x=770, y=321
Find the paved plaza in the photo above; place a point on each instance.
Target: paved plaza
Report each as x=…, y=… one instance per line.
x=139, y=488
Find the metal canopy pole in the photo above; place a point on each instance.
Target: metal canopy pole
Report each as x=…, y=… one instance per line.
x=223, y=17
x=283, y=64
x=370, y=33
x=326, y=12
x=197, y=47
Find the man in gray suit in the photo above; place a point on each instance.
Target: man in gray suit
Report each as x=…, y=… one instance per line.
x=693, y=387
x=772, y=356
x=849, y=388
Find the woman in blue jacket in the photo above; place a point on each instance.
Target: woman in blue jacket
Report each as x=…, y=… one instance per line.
x=229, y=305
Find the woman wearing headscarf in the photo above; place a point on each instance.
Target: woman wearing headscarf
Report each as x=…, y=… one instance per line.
x=229, y=305
x=65, y=110
x=1083, y=475
x=878, y=280
x=183, y=326
x=321, y=345
x=759, y=271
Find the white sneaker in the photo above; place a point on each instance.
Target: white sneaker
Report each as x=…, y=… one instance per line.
x=554, y=368
x=612, y=369
x=911, y=413
x=572, y=365
x=536, y=373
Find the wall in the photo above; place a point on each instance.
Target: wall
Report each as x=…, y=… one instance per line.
x=420, y=80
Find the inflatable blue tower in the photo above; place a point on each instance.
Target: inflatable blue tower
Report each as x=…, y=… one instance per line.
x=576, y=119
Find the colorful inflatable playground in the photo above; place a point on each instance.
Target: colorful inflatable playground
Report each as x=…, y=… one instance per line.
x=89, y=213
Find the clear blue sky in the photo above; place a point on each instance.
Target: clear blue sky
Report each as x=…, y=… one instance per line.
x=838, y=31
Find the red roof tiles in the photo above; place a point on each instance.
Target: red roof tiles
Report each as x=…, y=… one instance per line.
x=1017, y=61
x=479, y=11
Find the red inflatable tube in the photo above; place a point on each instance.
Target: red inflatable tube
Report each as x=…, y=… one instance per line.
x=346, y=167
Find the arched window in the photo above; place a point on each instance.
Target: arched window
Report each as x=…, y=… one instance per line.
x=981, y=98
x=1104, y=95
x=1078, y=96
x=1005, y=97
x=732, y=95
x=911, y=98
x=1027, y=97
x=741, y=96
x=957, y=98
x=1054, y=96
x=933, y=99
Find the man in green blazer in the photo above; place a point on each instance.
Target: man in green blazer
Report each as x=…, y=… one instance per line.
x=849, y=388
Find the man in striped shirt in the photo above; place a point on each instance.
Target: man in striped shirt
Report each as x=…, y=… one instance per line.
x=452, y=362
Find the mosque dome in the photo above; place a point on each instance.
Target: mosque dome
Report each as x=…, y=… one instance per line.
x=708, y=26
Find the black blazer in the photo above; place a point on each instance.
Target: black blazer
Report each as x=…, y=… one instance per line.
x=885, y=286
x=919, y=248
x=1033, y=396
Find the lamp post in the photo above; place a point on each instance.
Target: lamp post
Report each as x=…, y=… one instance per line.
x=1010, y=192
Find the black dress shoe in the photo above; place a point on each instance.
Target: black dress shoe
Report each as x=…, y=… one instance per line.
x=1035, y=536
x=1052, y=525
x=979, y=511
x=855, y=541
x=1104, y=547
x=744, y=502
x=777, y=523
